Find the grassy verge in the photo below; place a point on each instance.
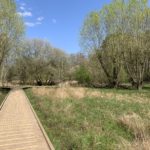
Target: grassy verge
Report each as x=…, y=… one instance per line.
x=3, y=93
x=95, y=121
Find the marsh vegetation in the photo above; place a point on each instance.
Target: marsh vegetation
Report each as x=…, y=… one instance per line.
x=85, y=118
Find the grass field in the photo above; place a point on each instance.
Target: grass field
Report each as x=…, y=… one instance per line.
x=94, y=119
x=3, y=93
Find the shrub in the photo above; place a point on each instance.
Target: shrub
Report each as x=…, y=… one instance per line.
x=82, y=75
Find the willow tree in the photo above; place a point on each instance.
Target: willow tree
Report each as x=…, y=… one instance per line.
x=147, y=44
x=137, y=48
x=117, y=35
x=11, y=28
x=102, y=33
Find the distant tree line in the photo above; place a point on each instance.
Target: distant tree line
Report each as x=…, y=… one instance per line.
x=115, y=40
x=37, y=62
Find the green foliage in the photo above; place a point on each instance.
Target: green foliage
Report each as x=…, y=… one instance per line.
x=82, y=75
x=117, y=35
x=11, y=31
x=11, y=27
x=3, y=93
x=39, y=63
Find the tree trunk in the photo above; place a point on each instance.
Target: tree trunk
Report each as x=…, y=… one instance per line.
x=140, y=85
x=137, y=85
x=113, y=84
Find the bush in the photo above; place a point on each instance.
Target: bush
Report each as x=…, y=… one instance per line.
x=82, y=75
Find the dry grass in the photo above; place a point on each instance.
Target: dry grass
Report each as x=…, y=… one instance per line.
x=71, y=92
x=140, y=129
x=135, y=145
x=60, y=93
x=80, y=92
x=134, y=123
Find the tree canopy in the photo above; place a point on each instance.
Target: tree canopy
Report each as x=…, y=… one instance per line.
x=117, y=35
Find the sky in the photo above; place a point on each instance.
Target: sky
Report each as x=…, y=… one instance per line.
x=58, y=21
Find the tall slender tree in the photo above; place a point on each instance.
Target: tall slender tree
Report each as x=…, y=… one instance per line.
x=11, y=29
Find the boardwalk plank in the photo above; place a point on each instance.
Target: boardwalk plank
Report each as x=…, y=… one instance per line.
x=19, y=129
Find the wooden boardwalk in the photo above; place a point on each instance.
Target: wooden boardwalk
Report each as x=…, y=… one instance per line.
x=19, y=128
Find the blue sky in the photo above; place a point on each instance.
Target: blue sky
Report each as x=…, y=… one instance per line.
x=58, y=21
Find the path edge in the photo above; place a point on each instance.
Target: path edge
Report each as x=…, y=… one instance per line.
x=2, y=104
x=49, y=143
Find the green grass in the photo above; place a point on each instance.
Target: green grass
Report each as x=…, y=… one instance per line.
x=88, y=123
x=3, y=93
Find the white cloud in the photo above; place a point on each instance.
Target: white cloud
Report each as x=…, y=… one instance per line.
x=25, y=14
x=40, y=18
x=30, y=24
x=22, y=8
x=54, y=20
